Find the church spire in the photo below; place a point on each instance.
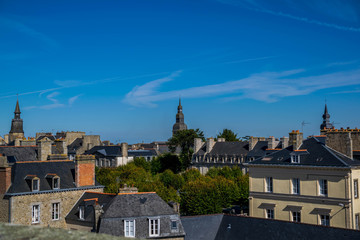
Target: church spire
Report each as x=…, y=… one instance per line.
x=16, y=130
x=180, y=123
x=326, y=120
x=179, y=107
x=17, y=110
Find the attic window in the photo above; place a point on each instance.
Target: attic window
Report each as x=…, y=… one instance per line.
x=82, y=212
x=267, y=158
x=35, y=184
x=56, y=182
x=173, y=225
x=295, y=158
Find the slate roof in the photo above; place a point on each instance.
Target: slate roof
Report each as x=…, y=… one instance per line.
x=103, y=200
x=111, y=151
x=248, y=228
x=226, y=148
x=24, y=153
x=316, y=154
x=142, y=204
x=259, y=149
x=137, y=153
x=20, y=170
x=75, y=145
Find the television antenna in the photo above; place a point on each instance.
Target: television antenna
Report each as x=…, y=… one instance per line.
x=303, y=123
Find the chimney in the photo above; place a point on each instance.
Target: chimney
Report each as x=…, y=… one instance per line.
x=271, y=142
x=5, y=175
x=98, y=210
x=252, y=142
x=6, y=138
x=61, y=147
x=17, y=142
x=175, y=206
x=84, y=170
x=198, y=143
x=349, y=145
x=127, y=189
x=284, y=142
x=44, y=149
x=124, y=150
x=209, y=144
x=295, y=139
x=221, y=140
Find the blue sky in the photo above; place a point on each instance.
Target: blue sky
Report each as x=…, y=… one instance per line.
x=117, y=68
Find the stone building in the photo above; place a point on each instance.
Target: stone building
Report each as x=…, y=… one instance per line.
x=307, y=182
x=127, y=214
x=43, y=192
x=180, y=123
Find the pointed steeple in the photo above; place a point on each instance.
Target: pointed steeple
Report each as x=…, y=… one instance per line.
x=180, y=123
x=326, y=120
x=17, y=110
x=179, y=107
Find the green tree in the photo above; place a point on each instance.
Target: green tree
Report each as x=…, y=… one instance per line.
x=185, y=140
x=170, y=179
x=141, y=162
x=229, y=135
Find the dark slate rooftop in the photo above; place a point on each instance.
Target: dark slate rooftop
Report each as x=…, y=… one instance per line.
x=226, y=148
x=259, y=149
x=111, y=151
x=142, y=205
x=103, y=199
x=231, y=227
x=23, y=153
x=312, y=153
x=137, y=153
x=23, y=172
x=75, y=145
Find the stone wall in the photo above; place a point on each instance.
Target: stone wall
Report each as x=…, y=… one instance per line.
x=21, y=207
x=343, y=140
x=4, y=209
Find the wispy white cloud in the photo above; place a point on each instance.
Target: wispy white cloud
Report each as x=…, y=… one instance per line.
x=260, y=7
x=267, y=87
x=73, y=99
x=54, y=103
x=24, y=29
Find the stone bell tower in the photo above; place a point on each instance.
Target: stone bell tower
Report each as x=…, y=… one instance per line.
x=180, y=123
x=16, y=125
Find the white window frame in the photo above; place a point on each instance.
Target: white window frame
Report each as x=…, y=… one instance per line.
x=324, y=219
x=82, y=212
x=296, y=216
x=323, y=187
x=356, y=188
x=295, y=182
x=269, y=185
x=295, y=158
x=35, y=214
x=270, y=213
x=37, y=180
x=154, y=227
x=128, y=226
x=55, y=211
x=357, y=221
x=58, y=182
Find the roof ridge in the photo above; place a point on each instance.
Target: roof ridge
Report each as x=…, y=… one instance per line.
x=331, y=151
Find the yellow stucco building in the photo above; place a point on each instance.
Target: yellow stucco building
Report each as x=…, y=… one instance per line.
x=307, y=182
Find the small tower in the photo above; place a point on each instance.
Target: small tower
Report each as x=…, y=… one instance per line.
x=326, y=120
x=16, y=130
x=180, y=124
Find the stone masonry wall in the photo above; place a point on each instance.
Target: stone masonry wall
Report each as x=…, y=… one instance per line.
x=21, y=207
x=4, y=209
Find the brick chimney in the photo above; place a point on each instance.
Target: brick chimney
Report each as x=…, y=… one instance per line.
x=198, y=143
x=84, y=170
x=44, y=149
x=124, y=150
x=252, y=142
x=284, y=142
x=5, y=175
x=209, y=144
x=295, y=139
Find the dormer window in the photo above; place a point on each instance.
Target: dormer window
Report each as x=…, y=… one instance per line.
x=35, y=184
x=295, y=159
x=82, y=212
x=56, y=183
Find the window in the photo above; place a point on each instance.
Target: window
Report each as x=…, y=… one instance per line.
x=82, y=212
x=325, y=220
x=56, y=183
x=270, y=213
x=357, y=223
x=154, y=227
x=129, y=228
x=295, y=186
x=356, y=188
x=296, y=217
x=173, y=225
x=55, y=213
x=323, y=188
x=295, y=158
x=35, y=184
x=269, y=184
x=35, y=214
